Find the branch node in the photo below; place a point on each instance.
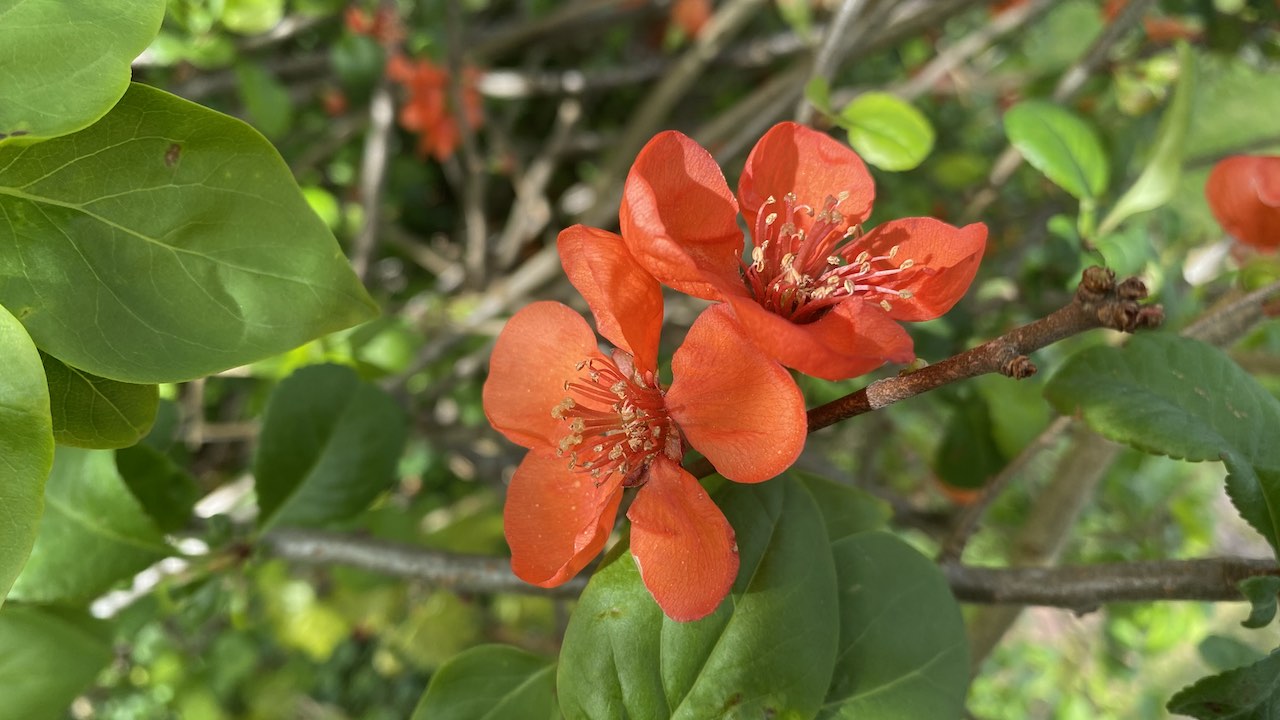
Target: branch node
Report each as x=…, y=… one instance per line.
x=1117, y=306
x=1019, y=368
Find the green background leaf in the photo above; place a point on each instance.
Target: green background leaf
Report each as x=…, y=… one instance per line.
x=93, y=412
x=766, y=652
x=1247, y=693
x=64, y=63
x=165, y=490
x=1174, y=396
x=93, y=533
x=1060, y=145
x=329, y=445
x=493, y=682
x=887, y=131
x=1261, y=592
x=47, y=657
x=191, y=251
x=26, y=447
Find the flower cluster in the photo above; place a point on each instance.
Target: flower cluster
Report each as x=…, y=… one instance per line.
x=813, y=292
x=426, y=110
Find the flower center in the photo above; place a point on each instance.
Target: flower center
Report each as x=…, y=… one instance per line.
x=617, y=420
x=801, y=274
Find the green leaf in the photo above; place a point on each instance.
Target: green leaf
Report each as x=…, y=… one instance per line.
x=267, y=100
x=329, y=445
x=1222, y=652
x=887, y=131
x=47, y=658
x=93, y=412
x=1261, y=592
x=818, y=91
x=846, y=510
x=167, y=492
x=66, y=62
x=251, y=17
x=93, y=534
x=1174, y=396
x=1060, y=145
x=903, y=651
x=1159, y=179
x=766, y=652
x=491, y=682
x=166, y=242
x=26, y=447
x=1248, y=693
x=968, y=456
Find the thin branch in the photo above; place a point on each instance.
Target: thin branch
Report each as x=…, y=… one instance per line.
x=475, y=227
x=373, y=176
x=834, y=44
x=1229, y=321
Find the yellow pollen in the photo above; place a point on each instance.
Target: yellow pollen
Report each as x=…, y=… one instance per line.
x=906, y=264
x=885, y=304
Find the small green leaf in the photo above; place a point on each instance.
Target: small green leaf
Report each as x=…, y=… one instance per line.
x=167, y=492
x=93, y=412
x=818, y=90
x=93, y=533
x=968, y=456
x=1246, y=693
x=767, y=652
x=191, y=251
x=887, y=131
x=1174, y=396
x=1060, y=145
x=329, y=445
x=47, y=657
x=1261, y=592
x=1159, y=179
x=66, y=62
x=26, y=447
x=267, y=100
x=903, y=651
x=494, y=682
x=1222, y=652
x=251, y=17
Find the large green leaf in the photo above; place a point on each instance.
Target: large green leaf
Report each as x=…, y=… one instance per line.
x=1159, y=179
x=766, y=652
x=1179, y=397
x=26, y=447
x=1247, y=693
x=64, y=63
x=491, y=682
x=47, y=657
x=166, y=242
x=93, y=412
x=329, y=445
x=903, y=651
x=93, y=534
x=1060, y=145
x=887, y=131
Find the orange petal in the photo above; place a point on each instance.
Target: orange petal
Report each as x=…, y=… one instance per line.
x=625, y=299
x=680, y=220
x=734, y=404
x=1244, y=194
x=852, y=339
x=682, y=543
x=813, y=165
x=536, y=353
x=945, y=259
x=556, y=520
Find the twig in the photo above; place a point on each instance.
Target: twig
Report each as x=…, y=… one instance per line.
x=1229, y=321
x=475, y=226
x=373, y=176
x=531, y=212
x=560, y=23
x=835, y=43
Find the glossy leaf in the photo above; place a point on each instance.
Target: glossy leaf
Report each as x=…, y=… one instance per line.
x=1246, y=693
x=26, y=447
x=1261, y=592
x=1174, y=396
x=1159, y=179
x=903, y=651
x=887, y=131
x=166, y=491
x=329, y=445
x=66, y=62
x=491, y=682
x=47, y=658
x=845, y=510
x=166, y=242
x=93, y=412
x=93, y=533
x=766, y=652
x=1060, y=145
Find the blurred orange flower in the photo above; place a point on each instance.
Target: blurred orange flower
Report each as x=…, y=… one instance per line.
x=1244, y=193
x=426, y=110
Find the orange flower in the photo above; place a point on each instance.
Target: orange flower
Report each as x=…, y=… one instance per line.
x=1244, y=194
x=818, y=295
x=426, y=111
x=383, y=25
x=597, y=423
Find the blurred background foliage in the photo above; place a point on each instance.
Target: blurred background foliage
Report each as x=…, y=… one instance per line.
x=549, y=88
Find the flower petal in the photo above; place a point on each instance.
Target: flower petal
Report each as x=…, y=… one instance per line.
x=680, y=220
x=1244, y=194
x=734, y=404
x=682, y=543
x=536, y=353
x=625, y=299
x=556, y=520
x=945, y=259
x=852, y=339
x=792, y=158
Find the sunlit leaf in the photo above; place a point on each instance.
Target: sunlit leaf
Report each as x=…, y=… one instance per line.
x=494, y=682
x=1060, y=145
x=887, y=131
